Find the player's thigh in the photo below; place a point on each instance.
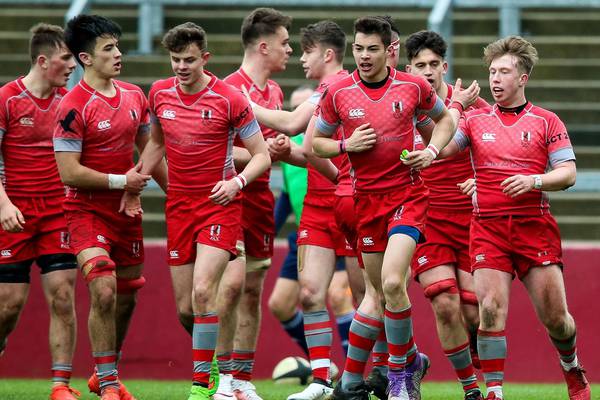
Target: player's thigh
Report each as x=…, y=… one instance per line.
x=465, y=280
x=209, y=265
x=59, y=284
x=397, y=257
x=285, y=296
x=89, y=253
x=493, y=288
x=315, y=267
x=546, y=289
x=13, y=297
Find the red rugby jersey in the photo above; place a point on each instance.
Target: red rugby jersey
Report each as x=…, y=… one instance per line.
x=199, y=131
x=26, y=126
x=391, y=110
x=443, y=175
x=503, y=145
x=102, y=129
x=270, y=97
x=317, y=183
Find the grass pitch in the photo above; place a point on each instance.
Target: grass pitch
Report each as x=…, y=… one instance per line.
x=36, y=389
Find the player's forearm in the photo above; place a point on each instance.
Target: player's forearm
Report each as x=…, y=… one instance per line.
x=325, y=147
x=4, y=199
x=152, y=155
x=560, y=178
x=443, y=131
x=241, y=157
x=258, y=164
x=161, y=176
x=296, y=157
x=289, y=122
x=82, y=177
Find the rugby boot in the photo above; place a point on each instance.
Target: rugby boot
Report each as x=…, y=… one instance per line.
x=317, y=390
x=199, y=393
x=474, y=394
x=577, y=384
x=397, y=386
x=213, y=380
x=415, y=372
x=244, y=390
x=110, y=393
x=64, y=392
x=492, y=396
x=94, y=386
x=224, y=390
x=360, y=392
x=377, y=383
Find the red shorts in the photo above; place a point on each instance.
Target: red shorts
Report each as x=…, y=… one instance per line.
x=318, y=226
x=258, y=223
x=45, y=230
x=447, y=242
x=378, y=213
x=346, y=220
x=95, y=221
x=195, y=219
x=515, y=244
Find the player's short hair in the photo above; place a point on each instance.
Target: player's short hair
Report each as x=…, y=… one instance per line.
x=374, y=26
x=178, y=38
x=516, y=46
x=45, y=39
x=326, y=33
x=263, y=22
x=425, y=40
x=388, y=18
x=83, y=30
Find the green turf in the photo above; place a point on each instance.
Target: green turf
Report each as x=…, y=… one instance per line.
x=22, y=389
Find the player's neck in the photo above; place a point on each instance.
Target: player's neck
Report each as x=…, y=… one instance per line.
x=198, y=86
x=332, y=69
x=256, y=71
x=102, y=85
x=37, y=85
x=515, y=102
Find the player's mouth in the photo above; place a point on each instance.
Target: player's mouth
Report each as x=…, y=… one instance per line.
x=430, y=80
x=497, y=91
x=366, y=67
x=117, y=66
x=183, y=77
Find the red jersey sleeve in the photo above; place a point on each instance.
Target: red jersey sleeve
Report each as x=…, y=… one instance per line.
x=243, y=120
x=69, y=129
x=558, y=142
x=328, y=120
x=429, y=102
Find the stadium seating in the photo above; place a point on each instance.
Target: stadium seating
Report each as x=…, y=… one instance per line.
x=565, y=80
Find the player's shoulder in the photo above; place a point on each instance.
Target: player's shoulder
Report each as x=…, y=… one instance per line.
x=129, y=87
x=343, y=83
x=76, y=98
x=226, y=90
x=405, y=77
x=485, y=111
x=10, y=89
x=235, y=78
x=162, y=84
x=542, y=112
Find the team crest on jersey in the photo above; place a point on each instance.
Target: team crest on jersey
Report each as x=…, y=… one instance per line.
x=418, y=138
x=397, y=108
x=168, y=114
x=6, y=253
x=206, y=116
x=422, y=260
x=26, y=121
x=488, y=137
x=65, y=240
x=133, y=114
x=215, y=233
x=525, y=138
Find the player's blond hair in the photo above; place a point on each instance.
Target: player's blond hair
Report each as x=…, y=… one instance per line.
x=523, y=50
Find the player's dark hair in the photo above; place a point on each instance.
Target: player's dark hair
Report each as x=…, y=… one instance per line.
x=425, y=40
x=326, y=33
x=374, y=26
x=45, y=39
x=516, y=46
x=177, y=39
x=263, y=22
x=83, y=30
x=390, y=20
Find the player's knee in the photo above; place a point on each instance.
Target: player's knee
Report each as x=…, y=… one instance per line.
x=10, y=308
x=203, y=295
x=394, y=286
x=492, y=315
x=447, y=309
x=560, y=325
x=97, y=267
x=339, y=299
x=279, y=308
x=104, y=297
x=231, y=292
x=309, y=293
x=61, y=303
x=468, y=297
x=130, y=285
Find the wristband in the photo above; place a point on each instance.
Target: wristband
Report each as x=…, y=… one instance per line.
x=243, y=179
x=239, y=182
x=117, y=181
x=537, y=182
x=342, y=146
x=433, y=150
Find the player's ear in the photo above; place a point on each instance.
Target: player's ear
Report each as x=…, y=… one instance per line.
x=329, y=55
x=206, y=56
x=42, y=61
x=263, y=48
x=523, y=79
x=445, y=67
x=86, y=58
x=407, y=68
